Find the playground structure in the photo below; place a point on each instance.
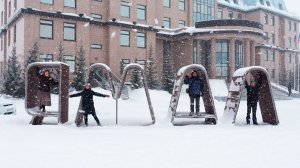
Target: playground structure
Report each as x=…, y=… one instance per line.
x=31, y=86
x=266, y=101
x=209, y=115
x=116, y=86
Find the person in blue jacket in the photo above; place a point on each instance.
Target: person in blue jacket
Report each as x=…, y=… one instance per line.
x=195, y=90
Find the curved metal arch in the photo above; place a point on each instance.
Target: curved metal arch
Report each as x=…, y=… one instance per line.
x=207, y=95
x=117, y=90
x=31, y=85
x=266, y=101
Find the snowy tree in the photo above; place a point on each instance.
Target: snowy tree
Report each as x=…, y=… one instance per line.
x=61, y=48
x=13, y=83
x=168, y=75
x=33, y=54
x=79, y=72
x=151, y=71
x=136, y=78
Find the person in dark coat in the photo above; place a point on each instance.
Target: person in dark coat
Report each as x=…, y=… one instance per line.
x=252, y=98
x=87, y=104
x=290, y=89
x=44, y=87
x=195, y=90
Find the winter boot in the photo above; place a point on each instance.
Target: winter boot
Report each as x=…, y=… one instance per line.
x=248, y=122
x=192, y=110
x=255, y=122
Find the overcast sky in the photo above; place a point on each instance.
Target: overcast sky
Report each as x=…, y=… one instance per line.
x=293, y=6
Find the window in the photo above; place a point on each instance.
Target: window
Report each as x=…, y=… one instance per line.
x=235, y=2
x=15, y=5
x=271, y=56
x=203, y=10
x=222, y=62
x=141, y=62
x=220, y=13
x=268, y=3
x=290, y=25
x=273, y=38
x=290, y=42
x=48, y=2
x=8, y=37
x=262, y=2
x=266, y=55
x=295, y=27
x=46, y=29
x=125, y=38
x=124, y=62
x=273, y=20
x=70, y=60
x=181, y=24
x=46, y=58
x=195, y=52
x=69, y=31
x=141, y=12
x=96, y=46
x=280, y=6
x=267, y=37
x=181, y=5
x=70, y=3
x=240, y=16
x=1, y=18
x=1, y=43
x=290, y=58
x=167, y=3
x=230, y=14
x=141, y=40
x=239, y=54
x=125, y=9
x=96, y=16
x=15, y=33
x=167, y=22
x=266, y=19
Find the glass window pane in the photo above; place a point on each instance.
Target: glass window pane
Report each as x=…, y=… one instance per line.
x=46, y=29
x=69, y=31
x=50, y=2
x=125, y=9
x=70, y=60
x=166, y=3
x=125, y=38
x=70, y=3
x=141, y=40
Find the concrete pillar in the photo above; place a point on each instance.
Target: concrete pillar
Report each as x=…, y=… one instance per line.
x=232, y=56
x=213, y=58
x=247, y=53
x=252, y=53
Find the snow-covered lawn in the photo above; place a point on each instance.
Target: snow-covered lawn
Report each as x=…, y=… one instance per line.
x=161, y=145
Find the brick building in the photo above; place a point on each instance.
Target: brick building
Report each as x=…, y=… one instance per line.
x=222, y=35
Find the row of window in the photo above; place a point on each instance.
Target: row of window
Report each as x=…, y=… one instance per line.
x=46, y=30
x=67, y=3
x=181, y=4
x=9, y=37
x=230, y=14
x=125, y=62
x=8, y=12
x=125, y=39
x=125, y=10
x=292, y=27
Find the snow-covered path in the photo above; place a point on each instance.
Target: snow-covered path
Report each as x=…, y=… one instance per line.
x=160, y=145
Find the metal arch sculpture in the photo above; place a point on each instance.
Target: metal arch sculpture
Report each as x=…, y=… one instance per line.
x=31, y=85
x=117, y=85
x=210, y=112
x=266, y=101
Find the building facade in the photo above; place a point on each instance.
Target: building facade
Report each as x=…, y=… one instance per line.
x=222, y=35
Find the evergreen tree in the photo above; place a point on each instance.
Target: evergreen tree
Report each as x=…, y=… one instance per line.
x=12, y=78
x=168, y=75
x=136, y=78
x=151, y=71
x=33, y=54
x=79, y=72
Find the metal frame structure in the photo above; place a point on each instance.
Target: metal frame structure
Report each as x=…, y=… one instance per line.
x=210, y=112
x=266, y=101
x=116, y=86
x=31, y=85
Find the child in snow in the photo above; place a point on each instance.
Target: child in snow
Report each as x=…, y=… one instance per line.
x=252, y=99
x=87, y=103
x=45, y=83
x=195, y=90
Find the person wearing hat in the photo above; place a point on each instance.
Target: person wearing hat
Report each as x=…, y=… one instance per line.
x=195, y=90
x=87, y=103
x=252, y=99
x=44, y=87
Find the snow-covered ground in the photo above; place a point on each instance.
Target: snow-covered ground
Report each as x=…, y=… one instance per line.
x=134, y=144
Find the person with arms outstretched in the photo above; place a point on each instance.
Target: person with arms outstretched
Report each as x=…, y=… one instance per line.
x=87, y=104
x=252, y=99
x=195, y=90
